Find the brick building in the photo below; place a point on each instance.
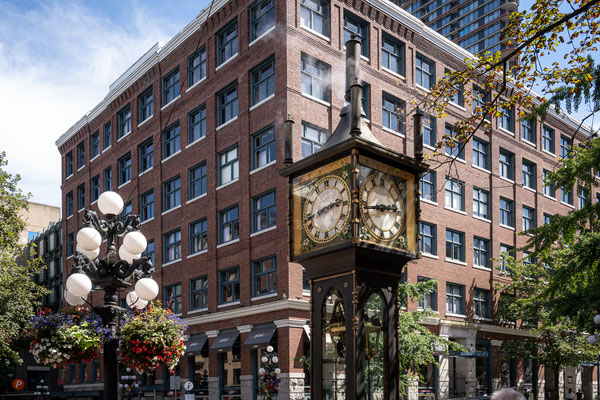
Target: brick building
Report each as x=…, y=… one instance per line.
x=191, y=136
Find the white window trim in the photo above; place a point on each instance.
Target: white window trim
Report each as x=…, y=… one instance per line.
x=146, y=171
x=397, y=75
x=549, y=197
x=506, y=179
x=194, y=85
x=224, y=124
x=146, y=120
x=547, y=152
x=199, y=310
x=195, y=141
x=453, y=104
x=263, y=167
x=123, y=184
x=567, y=204
x=305, y=292
x=455, y=158
x=93, y=202
x=272, y=228
x=487, y=171
x=67, y=178
x=80, y=168
x=172, y=262
x=507, y=227
x=170, y=209
x=260, y=103
x=70, y=216
x=171, y=156
x=308, y=96
x=489, y=221
x=106, y=148
x=529, y=143
x=318, y=34
x=71, y=256
x=232, y=303
x=501, y=129
x=171, y=102
x=145, y=221
x=393, y=132
x=262, y=36
x=449, y=314
x=433, y=203
x=228, y=243
x=264, y=296
x=198, y=253
x=422, y=88
x=483, y=319
x=429, y=255
x=455, y=210
x=195, y=198
x=453, y=261
x=96, y=156
x=228, y=183
x=481, y=267
x=224, y=63
x=429, y=147
x=530, y=189
x=124, y=136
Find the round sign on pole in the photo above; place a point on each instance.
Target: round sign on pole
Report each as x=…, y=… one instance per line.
x=188, y=385
x=18, y=384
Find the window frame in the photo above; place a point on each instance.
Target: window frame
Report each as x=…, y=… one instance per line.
x=529, y=174
x=202, y=291
x=549, y=190
x=268, y=147
x=171, y=193
x=146, y=155
x=81, y=197
x=233, y=224
x=481, y=153
x=171, y=291
x=94, y=188
x=431, y=236
x=506, y=167
x=271, y=220
x=324, y=15
x=262, y=76
x=171, y=140
x=107, y=178
x=125, y=170
x=124, y=121
x=479, y=203
x=233, y=164
x=307, y=141
x=146, y=207
x=507, y=212
x=174, y=244
x=107, y=135
x=80, y=155
x=389, y=115
x=548, y=139
x=455, y=245
x=94, y=145
x=528, y=132
x=428, y=188
x=361, y=32
x=389, y=53
x=198, y=236
x=308, y=78
x=146, y=105
x=197, y=69
x=227, y=105
x=528, y=217
x=261, y=13
x=481, y=298
x=227, y=42
x=271, y=276
x=224, y=282
x=449, y=201
x=420, y=73
x=460, y=297
x=481, y=252
x=195, y=191
x=200, y=124
x=171, y=89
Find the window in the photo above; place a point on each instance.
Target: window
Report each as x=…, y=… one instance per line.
x=263, y=81
x=173, y=298
x=429, y=135
x=548, y=139
x=124, y=118
x=364, y=100
x=95, y=188
x=262, y=18
x=228, y=165
x=227, y=42
x=146, y=152
x=197, y=66
x=315, y=77
x=313, y=138
x=566, y=145
x=230, y=285
x=566, y=196
x=147, y=205
x=429, y=299
x=172, y=246
x=428, y=238
x=481, y=252
x=393, y=113
x=506, y=212
x=95, y=144
x=126, y=211
x=263, y=147
x=107, y=135
x=264, y=213
x=505, y=251
x=584, y=197
x=69, y=203
x=528, y=259
x=528, y=130
x=314, y=15
x=107, y=179
x=506, y=162
x=528, y=218
x=356, y=26
x=455, y=194
x=547, y=218
x=427, y=186
x=529, y=176
x=172, y=193
x=197, y=179
x=149, y=252
x=425, y=72
x=549, y=187
x=455, y=245
x=265, y=276
x=481, y=100
x=146, y=102
x=481, y=303
x=81, y=197
x=198, y=236
x=70, y=244
x=481, y=154
x=170, y=84
x=455, y=299
x=229, y=225
x=197, y=124
x=80, y=155
x=507, y=119
x=227, y=103
x=199, y=293
x=457, y=98
x=69, y=164
x=171, y=140
x=456, y=149
x=124, y=169
x=481, y=201
x=392, y=54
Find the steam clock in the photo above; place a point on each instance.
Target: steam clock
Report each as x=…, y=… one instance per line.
x=353, y=226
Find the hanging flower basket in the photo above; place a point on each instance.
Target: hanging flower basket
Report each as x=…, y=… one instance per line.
x=152, y=338
x=69, y=336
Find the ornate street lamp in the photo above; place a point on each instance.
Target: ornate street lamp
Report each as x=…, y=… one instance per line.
x=593, y=340
x=111, y=274
x=41, y=390
x=269, y=372
x=128, y=384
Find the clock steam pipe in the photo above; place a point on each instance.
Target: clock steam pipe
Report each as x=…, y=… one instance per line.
x=418, y=126
x=288, y=144
x=353, y=86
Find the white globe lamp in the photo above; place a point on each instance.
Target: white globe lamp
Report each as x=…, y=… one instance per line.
x=91, y=254
x=261, y=371
x=597, y=319
x=146, y=288
x=88, y=239
x=79, y=284
x=135, y=242
x=277, y=371
x=127, y=256
x=110, y=203
x=264, y=359
x=134, y=301
x=592, y=339
x=73, y=300
x=275, y=359
x=269, y=348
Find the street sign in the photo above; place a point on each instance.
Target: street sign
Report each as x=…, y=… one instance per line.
x=18, y=384
x=188, y=385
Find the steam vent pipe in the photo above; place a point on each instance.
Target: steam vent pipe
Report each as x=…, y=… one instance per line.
x=288, y=143
x=418, y=126
x=353, y=86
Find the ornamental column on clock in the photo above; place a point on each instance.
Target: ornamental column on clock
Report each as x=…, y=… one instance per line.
x=353, y=226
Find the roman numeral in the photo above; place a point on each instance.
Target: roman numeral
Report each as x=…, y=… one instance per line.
x=326, y=235
x=382, y=182
x=326, y=183
x=317, y=190
x=397, y=225
x=342, y=216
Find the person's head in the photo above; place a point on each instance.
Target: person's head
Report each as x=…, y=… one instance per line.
x=570, y=390
x=508, y=394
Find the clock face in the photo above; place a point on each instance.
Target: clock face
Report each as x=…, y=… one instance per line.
x=382, y=206
x=326, y=209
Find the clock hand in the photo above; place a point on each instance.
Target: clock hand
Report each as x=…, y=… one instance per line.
x=382, y=207
x=329, y=207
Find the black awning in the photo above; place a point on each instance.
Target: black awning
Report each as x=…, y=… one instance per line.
x=225, y=340
x=260, y=335
x=196, y=343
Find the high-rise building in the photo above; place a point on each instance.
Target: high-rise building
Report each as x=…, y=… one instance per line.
x=191, y=136
x=475, y=25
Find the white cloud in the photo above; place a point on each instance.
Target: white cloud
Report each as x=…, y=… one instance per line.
x=56, y=63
